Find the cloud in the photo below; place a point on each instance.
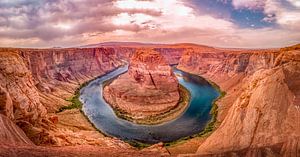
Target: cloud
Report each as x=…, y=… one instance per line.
x=25, y=19
x=47, y=23
x=296, y=3
x=248, y=4
x=285, y=16
x=275, y=11
x=175, y=15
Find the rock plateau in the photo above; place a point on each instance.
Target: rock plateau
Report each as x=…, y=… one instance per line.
x=148, y=89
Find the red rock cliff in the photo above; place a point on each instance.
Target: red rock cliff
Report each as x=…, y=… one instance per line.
x=259, y=112
x=149, y=88
x=34, y=82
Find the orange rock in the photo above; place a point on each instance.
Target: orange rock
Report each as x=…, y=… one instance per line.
x=53, y=119
x=149, y=88
x=260, y=112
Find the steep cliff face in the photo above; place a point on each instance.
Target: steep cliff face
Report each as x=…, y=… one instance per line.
x=6, y=104
x=172, y=55
x=149, y=88
x=12, y=134
x=16, y=80
x=15, y=143
x=19, y=95
x=229, y=69
x=149, y=68
x=34, y=82
x=58, y=72
x=260, y=113
x=227, y=64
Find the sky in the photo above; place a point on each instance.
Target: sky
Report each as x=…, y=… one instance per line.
x=221, y=23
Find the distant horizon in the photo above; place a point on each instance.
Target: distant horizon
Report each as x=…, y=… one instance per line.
x=117, y=43
x=217, y=23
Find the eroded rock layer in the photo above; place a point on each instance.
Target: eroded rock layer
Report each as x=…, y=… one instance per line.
x=259, y=116
x=149, y=88
x=37, y=82
x=260, y=113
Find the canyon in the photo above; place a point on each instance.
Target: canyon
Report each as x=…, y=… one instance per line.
x=258, y=116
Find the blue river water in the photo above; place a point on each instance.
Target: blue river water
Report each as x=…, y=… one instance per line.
x=191, y=122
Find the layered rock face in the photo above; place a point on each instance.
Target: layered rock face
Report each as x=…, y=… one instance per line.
x=34, y=82
x=259, y=116
x=260, y=113
x=172, y=55
x=227, y=68
x=149, y=88
x=221, y=65
x=11, y=134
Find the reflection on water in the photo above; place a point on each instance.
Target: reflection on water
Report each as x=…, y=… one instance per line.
x=191, y=122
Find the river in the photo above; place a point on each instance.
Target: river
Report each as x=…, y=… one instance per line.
x=191, y=122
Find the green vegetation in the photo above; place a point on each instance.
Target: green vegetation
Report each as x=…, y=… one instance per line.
x=181, y=106
x=137, y=144
x=211, y=125
x=185, y=97
x=75, y=102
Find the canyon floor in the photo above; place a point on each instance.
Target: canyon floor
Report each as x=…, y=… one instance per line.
x=259, y=115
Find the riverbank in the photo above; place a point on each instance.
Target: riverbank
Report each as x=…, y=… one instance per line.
x=154, y=130
x=190, y=144
x=160, y=118
x=76, y=107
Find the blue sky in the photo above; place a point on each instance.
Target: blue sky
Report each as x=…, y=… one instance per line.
x=222, y=23
x=243, y=17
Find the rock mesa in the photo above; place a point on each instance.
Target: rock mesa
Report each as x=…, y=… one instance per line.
x=149, y=88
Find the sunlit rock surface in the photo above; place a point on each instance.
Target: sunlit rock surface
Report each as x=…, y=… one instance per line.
x=149, y=88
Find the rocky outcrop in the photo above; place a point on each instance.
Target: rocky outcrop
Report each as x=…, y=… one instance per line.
x=58, y=72
x=223, y=65
x=6, y=104
x=260, y=113
x=229, y=69
x=11, y=134
x=14, y=143
x=172, y=55
x=35, y=81
x=20, y=97
x=77, y=151
x=148, y=89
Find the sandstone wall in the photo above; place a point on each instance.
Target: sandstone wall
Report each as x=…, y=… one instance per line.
x=148, y=89
x=11, y=134
x=260, y=113
x=34, y=82
x=222, y=65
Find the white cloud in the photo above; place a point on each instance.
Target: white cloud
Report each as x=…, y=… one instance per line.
x=69, y=23
x=181, y=23
x=248, y=4
x=295, y=2
x=175, y=15
x=288, y=18
x=275, y=10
